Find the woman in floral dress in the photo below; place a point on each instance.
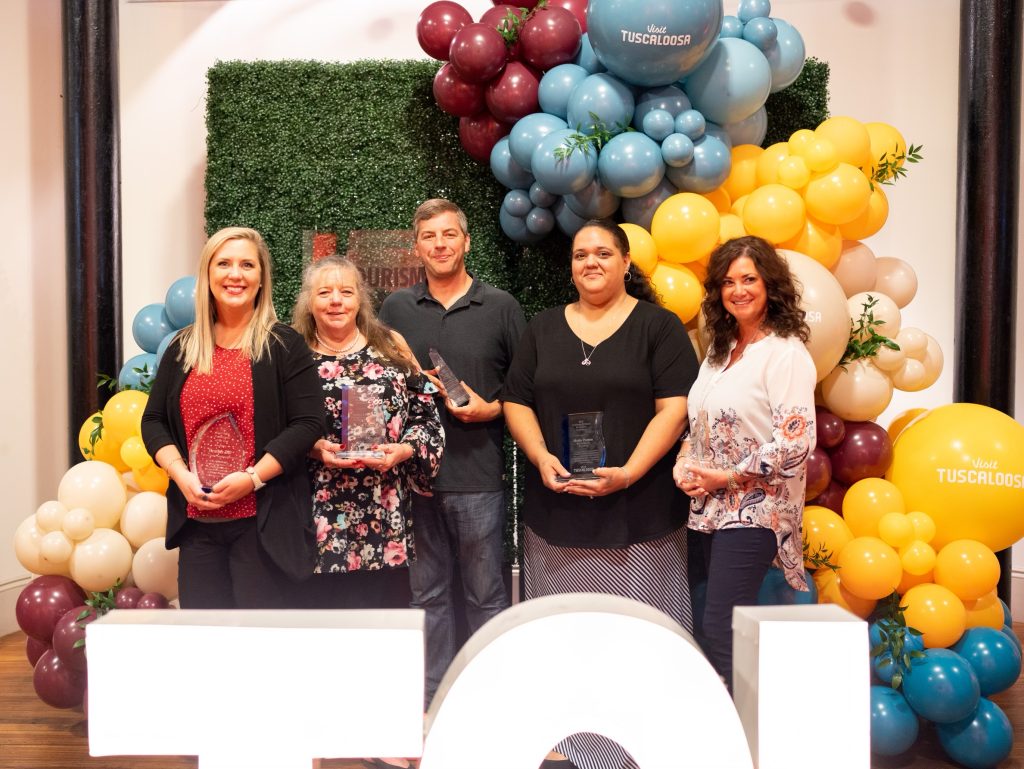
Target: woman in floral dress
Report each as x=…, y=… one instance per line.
x=361, y=505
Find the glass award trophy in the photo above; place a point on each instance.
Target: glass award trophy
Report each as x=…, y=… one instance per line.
x=452, y=384
x=217, y=450
x=363, y=424
x=583, y=448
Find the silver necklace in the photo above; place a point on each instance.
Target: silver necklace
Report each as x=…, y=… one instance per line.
x=343, y=351
x=586, y=355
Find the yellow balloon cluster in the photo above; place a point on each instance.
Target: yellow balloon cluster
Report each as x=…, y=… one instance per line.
x=114, y=436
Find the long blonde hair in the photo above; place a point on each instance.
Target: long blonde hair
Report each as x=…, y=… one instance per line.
x=197, y=341
x=378, y=336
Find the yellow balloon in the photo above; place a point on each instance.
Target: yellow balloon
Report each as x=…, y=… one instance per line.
x=924, y=526
x=818, y=240
x=832, y=590
x=798, y=140
x=679, y=289
x=133, y=453
x=886, y=143
x=793, y=172
x=742, y=179
x=729, y=226
x=937, y=613
x=774, y=212
x=768, y=163
x=871, y=220
x=901, y=420
x=986, y=611
x=825, y=534
x=870, y=568
x=102, y=449
x=122, y=416
x=685, y=227
x=719, y=199
x=700, y=271
x=912, y=580
x=642, y=250
x=838, y=196
x=820, y=155
x=917, y=557
x=737, y=206
x=968, y=568
x=866, y=501
x=152, y=478
x=850, y=138
x=963, y=465
x=895, y=530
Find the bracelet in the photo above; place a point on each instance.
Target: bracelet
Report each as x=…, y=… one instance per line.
x=730, y=481
x=176, y=459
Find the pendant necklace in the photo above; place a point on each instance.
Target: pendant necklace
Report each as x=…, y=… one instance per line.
x=586, y=355
x=343, y=351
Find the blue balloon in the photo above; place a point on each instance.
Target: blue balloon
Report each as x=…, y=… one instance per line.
x=691, y=123
x=566, y=174
x=180, y=302
x=677, y=150
x=786, y=57
x=640, y=211
x=751, y=9
x=515, y=227
x=630, y=164
x=587, y=59
x=992, y=656
x=556, y=86
x=658, y=124
x=731, y=27
x=603, y=98
x=894, y=725
x=761, y=32
x=517, y=202
x=164, y=343
x=710, y=166
x=527, y=133
x=882, y=665
x=670, y=98
x=941, y=686
x=731, y=83
x=506, y=170
x=1008, y=632
x=652, y=42
x=541, y=197
x=1007, y=614
x=752, y=130
x=540, y=221
x=150, y=326
x=981, y=740
x=775, y=591
x=594, y=201
x=137, y=372
x=719, y=132
x=568, y=221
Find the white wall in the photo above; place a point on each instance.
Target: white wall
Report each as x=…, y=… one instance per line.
x=893, y=62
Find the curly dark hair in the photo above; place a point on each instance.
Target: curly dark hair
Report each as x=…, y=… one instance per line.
x=783, y=315
x=638, y=285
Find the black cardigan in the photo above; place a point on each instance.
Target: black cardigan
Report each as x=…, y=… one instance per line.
x=288, y=412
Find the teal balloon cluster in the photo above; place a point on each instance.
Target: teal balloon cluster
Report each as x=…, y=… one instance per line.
x=153, y=328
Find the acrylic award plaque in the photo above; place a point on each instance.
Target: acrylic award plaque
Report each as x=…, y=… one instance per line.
x=583, y=448
x=363, y=424
x=452, y=384
x=217, y=450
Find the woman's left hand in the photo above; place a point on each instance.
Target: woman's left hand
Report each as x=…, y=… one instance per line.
x=700, y=481
x=608, y=481
x=230, y=488
x=394, y=453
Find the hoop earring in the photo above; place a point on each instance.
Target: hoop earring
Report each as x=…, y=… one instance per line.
x=628, y=277
x=571, y=281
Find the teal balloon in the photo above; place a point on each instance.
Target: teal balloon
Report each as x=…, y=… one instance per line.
x=786, y=57
x=670, y=98
x=993, y=657
x=506, y=170
x=732, y=83
x=882, y=665
x=677, y=150
x=760, y=32
x=527, y=133
x=557, y=85
x=517, y=202
x=137, y=371
x=150, y=326
x=540, y=221
x=587, y=59
x=710, y=166
x=719, y=132
x=1007, y=614
x=541, y=197
x=981, y=740
x=602, y=98
x=594, y=201
x=731, y=27
x=652, y=42
x=894, y=725
x=630, y=164
x=752, y=9
x=562, y=175
x=180, y=302
x=568, y=221
x=751, y=130
x=515, y=227
x=658, y=124
x=691, y=123
x=775, y=591
x=640, y=211
x=941, y=686
x=1008, y=632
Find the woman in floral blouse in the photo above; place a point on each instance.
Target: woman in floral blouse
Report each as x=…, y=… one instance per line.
x=361, y=506
x=751, y=414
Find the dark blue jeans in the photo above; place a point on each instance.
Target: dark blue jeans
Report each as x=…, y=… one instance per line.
x=450, y=527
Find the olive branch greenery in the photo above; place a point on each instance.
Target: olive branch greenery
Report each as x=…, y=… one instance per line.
x=865, y=340
x=892, y=165
x=99, y=601
x=110, y=383
x=600, y=134
x=821, y=558
x=510, y=26
x=892, y=648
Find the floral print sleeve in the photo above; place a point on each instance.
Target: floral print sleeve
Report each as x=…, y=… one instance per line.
x=424, y=433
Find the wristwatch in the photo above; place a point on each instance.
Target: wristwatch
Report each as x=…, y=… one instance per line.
x=257, y=482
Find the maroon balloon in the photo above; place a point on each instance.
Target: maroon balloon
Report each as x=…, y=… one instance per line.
x=454, y=95
x=34, y=649
x=56, y=684
x=551, y=36
x=152, y=601
x=128, y=597
x=514, y=94
x=479, y=134
x=865, y=452
x=477, y=53
x=525, y=4
x=578, y=8
x=496, y=16
x=69, y=631
x=831, y=497
x=830, y=429
x=44, y=601
x=437, y=26
x=819, y=472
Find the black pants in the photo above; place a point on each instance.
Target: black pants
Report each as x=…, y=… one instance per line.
x=223, y=566
x=737, y=561
x=378, y=589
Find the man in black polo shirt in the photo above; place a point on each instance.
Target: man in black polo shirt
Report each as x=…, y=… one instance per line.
x=475, y=327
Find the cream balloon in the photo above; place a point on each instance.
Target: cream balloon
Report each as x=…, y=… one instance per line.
x=856, y=269
x=26, y=545
x=889, y=360
x=896, y=279
x=101, y=559
x=925, y=371
x=144, y=517
x=884, y=309
x=823, y=301
x=78, y=523
x=155, y=568
x=55, y=547
x=910, y=377
x=857, y=392
x=49, y=515
x=913, y=341
x=96, y=486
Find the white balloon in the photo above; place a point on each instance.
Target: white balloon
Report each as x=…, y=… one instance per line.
x=49, y=515
x=55, y=547
x=26, y=545
x=896, y=279
x=155, y=568
x=144, y=517
x=913, y=341
x=889, y=360
x=823, y=301
x=856, y=269
x=931, y=366
x=78, y=523
x=857, y=392
x=96, y=486
x=884, y=310
x=911, y=377
x=100, y=560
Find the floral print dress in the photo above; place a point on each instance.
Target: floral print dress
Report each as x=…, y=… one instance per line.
x=361, y=515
